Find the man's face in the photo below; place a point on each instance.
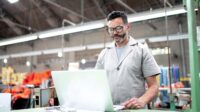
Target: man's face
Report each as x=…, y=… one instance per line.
x=117, y=29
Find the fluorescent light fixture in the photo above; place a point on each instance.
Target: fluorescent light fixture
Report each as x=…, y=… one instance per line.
x=4, y=56
x=95, y=25
x=91, y=46
x=99, y=24
x=18, y=39
x=66, y=49
x=77, y=48
x=33, y=53
x=5, y=61
x=51, y=51
x=95, y=46
x=12, y=1
x=72, y=29
x=156, y=14
x=171, y=37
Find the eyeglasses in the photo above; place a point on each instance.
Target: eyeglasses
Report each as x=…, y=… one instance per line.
x=118, y=29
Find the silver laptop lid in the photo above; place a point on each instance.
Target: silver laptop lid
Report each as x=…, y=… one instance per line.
x=83, y=89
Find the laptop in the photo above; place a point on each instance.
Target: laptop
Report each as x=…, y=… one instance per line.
x=84, y=90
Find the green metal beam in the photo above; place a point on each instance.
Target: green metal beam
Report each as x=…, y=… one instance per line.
x=193, y=54
x=196, y=3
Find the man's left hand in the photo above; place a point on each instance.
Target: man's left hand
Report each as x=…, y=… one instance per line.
x=134, y=103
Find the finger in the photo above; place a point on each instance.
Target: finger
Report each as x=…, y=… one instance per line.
x=132, y=104
x=138, y=106
x=127, y=102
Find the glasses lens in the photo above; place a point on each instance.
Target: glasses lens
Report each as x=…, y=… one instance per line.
x=118, y=29
x=110, y=30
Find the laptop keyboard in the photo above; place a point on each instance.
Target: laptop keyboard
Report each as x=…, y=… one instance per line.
x=118, y=107
x=62, y=109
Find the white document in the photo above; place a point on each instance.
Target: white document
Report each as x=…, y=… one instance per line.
x=5, y=102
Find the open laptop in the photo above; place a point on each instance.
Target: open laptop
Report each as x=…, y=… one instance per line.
x=84, y=90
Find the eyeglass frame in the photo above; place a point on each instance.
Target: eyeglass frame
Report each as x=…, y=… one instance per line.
x=115, y=29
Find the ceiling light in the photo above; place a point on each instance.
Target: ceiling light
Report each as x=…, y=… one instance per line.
x=60, y=54
x=5, y=61
x=91, y=46
x=156, y=14
x=28, y=63
x=72, y=29
x=95, y=46
x=18, y=39
x=51, y=51
x=33, y=53
x=171, y=37
x=12, y=1
x=83, y=61
x=95, y=25
x=4, y=56
x=77, y=48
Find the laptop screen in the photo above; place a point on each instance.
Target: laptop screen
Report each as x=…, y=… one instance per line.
x=83, y=89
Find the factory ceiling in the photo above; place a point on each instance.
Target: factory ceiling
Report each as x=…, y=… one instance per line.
x=30, y=16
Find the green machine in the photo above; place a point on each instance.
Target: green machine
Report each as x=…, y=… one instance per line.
x=191, y=5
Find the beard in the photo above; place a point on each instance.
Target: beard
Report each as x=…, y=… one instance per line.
x=119, y=38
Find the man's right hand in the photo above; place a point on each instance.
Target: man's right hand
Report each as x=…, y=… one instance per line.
x=134, y=103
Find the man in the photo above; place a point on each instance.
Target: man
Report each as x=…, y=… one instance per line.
x=128, y=64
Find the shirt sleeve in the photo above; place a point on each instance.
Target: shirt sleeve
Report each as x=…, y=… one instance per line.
x=149, y=65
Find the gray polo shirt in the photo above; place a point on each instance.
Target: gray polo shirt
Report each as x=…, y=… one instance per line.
x=126, y=76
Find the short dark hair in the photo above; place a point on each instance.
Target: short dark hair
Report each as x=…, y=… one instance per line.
x=117, y=14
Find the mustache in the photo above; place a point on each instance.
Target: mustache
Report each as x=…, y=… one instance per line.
x=121, y=36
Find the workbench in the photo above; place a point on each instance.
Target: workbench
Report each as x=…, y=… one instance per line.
x=44, y=110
